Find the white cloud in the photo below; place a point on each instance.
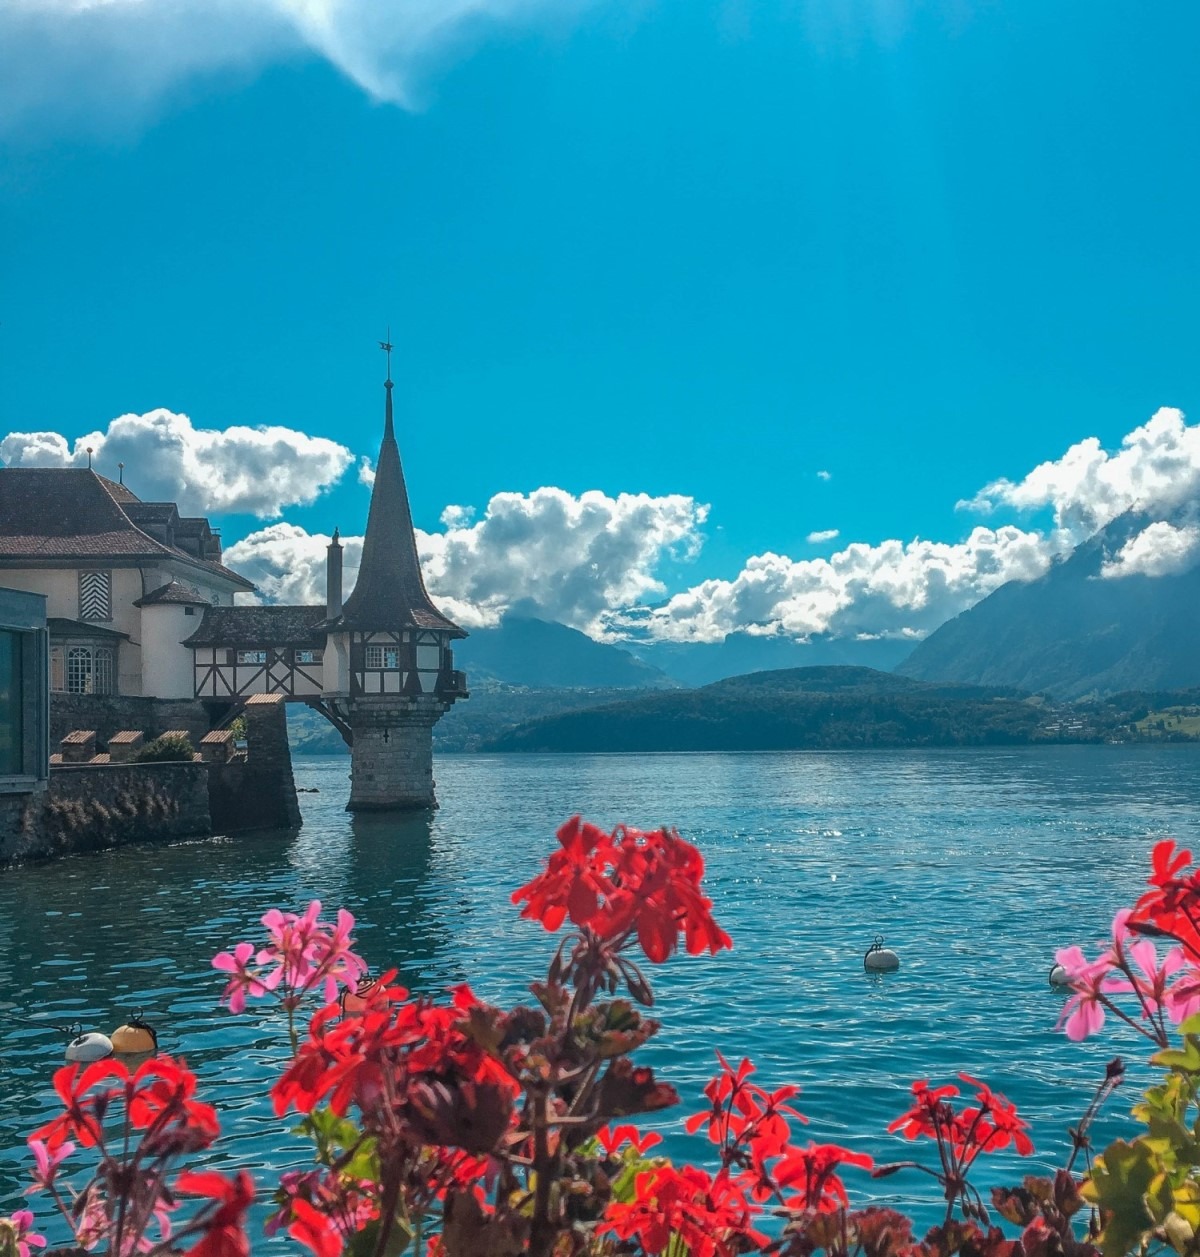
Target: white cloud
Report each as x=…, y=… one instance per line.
x=1160, y=549
x=366, y=471
x=457, y=516
x=287, y=563
x=825, y=534
x=824, y=475
x=94, y=63
x=236, y=470
x=892, y=589
x=1156, y=468
x=572, y=559
x=593, y=561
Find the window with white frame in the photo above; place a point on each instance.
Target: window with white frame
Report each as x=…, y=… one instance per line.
x=308, y=656
x=102, y=671
x=83, y=669
x=383, y=657
x=252, y=656
x=95, y=595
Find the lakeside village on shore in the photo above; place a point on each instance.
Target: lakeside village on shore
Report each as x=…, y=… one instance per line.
x=123, y=648
x=121, y=643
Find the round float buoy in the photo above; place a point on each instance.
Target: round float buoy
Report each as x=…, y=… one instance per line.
x=89, y=1047
x=1058, y=976
x=135, y=1038
x=880, y=959
x=365, y=997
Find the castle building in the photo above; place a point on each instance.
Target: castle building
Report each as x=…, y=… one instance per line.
x=125, y=581
x=379, y=665
x=139, y=603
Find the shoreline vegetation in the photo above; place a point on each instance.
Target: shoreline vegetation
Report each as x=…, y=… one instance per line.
x=818, y=708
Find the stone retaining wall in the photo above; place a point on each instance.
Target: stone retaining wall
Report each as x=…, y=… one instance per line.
x=257, y=790
x=93, y=807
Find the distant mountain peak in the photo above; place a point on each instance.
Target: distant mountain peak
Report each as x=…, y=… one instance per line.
x=524, y=649
x=1082, y=627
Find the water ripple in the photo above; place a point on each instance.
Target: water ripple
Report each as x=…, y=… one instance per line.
x=975, y=866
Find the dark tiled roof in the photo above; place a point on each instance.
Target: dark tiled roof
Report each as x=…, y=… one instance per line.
x=71, y=513
x=119, y=492
x=172, y=593
x=390, y=592
x=150, y=512
x=260, y=627
x=60, y=627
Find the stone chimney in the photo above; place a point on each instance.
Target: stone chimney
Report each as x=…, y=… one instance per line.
x=333, y=577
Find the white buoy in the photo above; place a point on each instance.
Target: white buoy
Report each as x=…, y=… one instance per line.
x=880, y=959
x=89, y=1047
x=1058, y=976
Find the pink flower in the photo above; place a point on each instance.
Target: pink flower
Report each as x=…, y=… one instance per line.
x=243, y=982
x=1151, y=988
x=16, y=1234
x=309, y=953
x=1083, y=1013
x=1183, y=997
x=91, y=1218
x=47, y=1162
x=302, y=954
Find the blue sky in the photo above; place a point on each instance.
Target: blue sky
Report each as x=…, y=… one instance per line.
x=674, y=248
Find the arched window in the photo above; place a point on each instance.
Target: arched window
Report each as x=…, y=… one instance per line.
x=79, y=670
x=89, y=670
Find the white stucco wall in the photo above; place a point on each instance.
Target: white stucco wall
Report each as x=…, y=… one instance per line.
x=336, y=665
x=61, y=587
x=167, y=664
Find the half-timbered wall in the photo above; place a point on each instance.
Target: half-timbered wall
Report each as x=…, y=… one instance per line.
x=229, y=672
x=397, y=663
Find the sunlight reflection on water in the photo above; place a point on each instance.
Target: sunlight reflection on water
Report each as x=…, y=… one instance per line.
x=974, y=865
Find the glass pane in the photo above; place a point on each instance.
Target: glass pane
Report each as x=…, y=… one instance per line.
x=10, y=704
x=79, y=670
x=104, y=671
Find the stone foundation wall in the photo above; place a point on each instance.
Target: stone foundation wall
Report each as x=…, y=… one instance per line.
x=109, y=714
x=257, y=790
x=391, y=759
x=93, y=807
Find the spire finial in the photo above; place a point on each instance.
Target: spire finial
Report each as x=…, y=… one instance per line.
x=386, y=346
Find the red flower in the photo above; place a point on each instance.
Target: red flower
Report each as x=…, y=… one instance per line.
x=930, y=1114
x=711, y=1217
x=314, y=1230
x=813, y=1171
x=625, y=885
x=573, y=881
x=83, y=1119
x=612, y=1140
x=1172, y=906
x=160, y=1097
x=224, y=1229
x=1006, y=1127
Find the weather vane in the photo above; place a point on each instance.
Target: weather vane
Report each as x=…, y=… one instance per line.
x=386, y=346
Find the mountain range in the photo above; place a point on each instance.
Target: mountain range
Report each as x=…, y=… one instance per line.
x=1075, y=631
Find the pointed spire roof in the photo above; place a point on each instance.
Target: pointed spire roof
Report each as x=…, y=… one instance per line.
x=390, y=592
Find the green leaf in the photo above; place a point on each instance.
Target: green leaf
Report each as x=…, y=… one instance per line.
x=1186, y=1058
x=1119, y=1182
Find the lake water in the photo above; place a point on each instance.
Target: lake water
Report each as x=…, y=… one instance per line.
x=974, y=865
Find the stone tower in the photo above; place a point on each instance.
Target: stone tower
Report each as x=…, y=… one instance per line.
x=388, y=667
